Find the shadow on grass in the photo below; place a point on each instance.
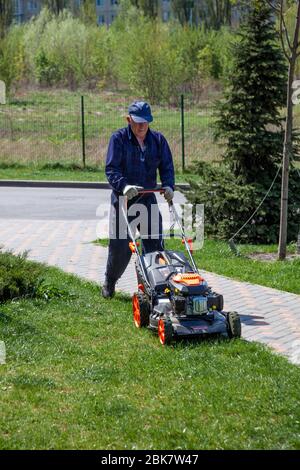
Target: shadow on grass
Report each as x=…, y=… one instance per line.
x=210, y=340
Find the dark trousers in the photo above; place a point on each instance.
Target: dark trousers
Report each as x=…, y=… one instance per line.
x=119, y=253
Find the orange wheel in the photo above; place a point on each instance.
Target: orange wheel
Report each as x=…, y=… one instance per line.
x=161, y=331
x=136, y=311
x=165, y=331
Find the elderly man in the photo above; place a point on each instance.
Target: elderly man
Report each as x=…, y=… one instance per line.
x=135, y=153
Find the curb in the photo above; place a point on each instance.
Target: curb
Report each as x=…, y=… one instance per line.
x=67, y=184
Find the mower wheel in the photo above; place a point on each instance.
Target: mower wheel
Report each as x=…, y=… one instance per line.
x=165, y=331
x=141, y=311
x=234, y=327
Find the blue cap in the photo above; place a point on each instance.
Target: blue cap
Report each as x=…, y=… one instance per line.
x=140, y=111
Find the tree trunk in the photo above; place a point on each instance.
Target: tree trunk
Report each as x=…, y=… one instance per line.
x=287, y=153
x=288, y=144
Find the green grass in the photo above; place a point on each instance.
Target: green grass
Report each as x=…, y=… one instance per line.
x=46, y=125
x=80, y=375
x=63, y=172
x=217, y=257
x=51, y=172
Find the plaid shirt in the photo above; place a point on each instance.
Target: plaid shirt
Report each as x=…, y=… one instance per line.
x=126, y=163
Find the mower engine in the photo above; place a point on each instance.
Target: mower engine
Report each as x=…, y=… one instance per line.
x=190, y=295
x=187, y=294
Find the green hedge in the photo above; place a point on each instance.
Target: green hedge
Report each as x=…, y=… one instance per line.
x=18, y=277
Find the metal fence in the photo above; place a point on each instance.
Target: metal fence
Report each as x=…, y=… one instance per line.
x=45, y=127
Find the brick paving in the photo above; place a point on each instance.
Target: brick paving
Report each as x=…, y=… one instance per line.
x=268, y=315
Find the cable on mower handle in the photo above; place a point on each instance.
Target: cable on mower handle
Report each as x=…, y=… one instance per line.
x=155, y=190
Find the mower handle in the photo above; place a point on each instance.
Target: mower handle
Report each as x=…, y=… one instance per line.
x=154, y=190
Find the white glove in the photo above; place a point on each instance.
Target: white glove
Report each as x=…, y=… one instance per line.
x=168, y=194
x=131, y=191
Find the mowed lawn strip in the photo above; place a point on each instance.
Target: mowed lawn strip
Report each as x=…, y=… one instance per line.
x=216, y=256
x=80, y=375
x=64, y=172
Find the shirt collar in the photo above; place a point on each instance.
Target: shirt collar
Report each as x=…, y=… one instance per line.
x=132, y=137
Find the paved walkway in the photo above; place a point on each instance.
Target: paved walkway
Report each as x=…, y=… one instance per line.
x=268, y=315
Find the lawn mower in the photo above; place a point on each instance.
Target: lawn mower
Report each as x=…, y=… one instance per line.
x=172, y=299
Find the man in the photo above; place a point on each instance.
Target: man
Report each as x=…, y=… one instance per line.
x=134, y=155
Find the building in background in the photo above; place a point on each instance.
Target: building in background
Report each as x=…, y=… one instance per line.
x=106, y=10
x=23, y=10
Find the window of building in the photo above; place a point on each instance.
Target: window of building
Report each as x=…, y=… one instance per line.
x=166, y=16
x=99, y=3
x=101, y=19
x=32, y=5
x=16, y=6
x=114, y=2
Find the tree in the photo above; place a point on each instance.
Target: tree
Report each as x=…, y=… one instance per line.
x=249, y=117
x=216, y=13
x=88, y=11
x=148, y=7
x=213, y=13
x=183, y=10
x=56, y=6
x=5, y=16
x=290, y=46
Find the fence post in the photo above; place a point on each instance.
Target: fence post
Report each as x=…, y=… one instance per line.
x=182, y=133
x=82, y=131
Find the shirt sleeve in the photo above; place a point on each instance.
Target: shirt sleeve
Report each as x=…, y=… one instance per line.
x=113, y=168
x=166, y=167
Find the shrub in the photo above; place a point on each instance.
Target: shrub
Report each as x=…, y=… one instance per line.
x=209, y=65
x=46, y=72
x=157, y=60
x=229, y=203
x=12, y=58
x=145, y=58
x=18, y=277
x=62, y=50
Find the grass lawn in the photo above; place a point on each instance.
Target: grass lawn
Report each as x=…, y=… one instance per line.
x=80, y=375
x=217, y=257
x=64, y=172
x=46, y=125
x=51, y=172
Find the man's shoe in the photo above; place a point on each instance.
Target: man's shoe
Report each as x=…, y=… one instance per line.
x=108, y=289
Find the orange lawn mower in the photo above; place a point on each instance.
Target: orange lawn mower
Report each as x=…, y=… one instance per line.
x=173, y=300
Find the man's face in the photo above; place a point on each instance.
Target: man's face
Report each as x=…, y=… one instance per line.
x=139, y=129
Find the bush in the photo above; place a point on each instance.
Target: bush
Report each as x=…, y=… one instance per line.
x=145, y=58
x=157, y=60
x=18, y=277
x=209, y=65
x=12, y=58
x=46, y=72
x=229, y=203
x=62, y=50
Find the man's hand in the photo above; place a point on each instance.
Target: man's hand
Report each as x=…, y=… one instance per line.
x=131, y=191
x=168, y=194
